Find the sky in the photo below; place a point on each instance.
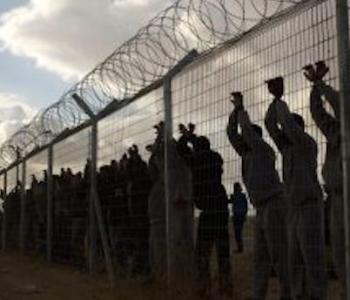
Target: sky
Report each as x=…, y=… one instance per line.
x=46, y=46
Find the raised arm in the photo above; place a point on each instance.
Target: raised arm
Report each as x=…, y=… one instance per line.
x=234, y=137
x=272, y=126
x=331, y=95
x=327, y=123
x=324, y=121
x=249, y=135
x=289, y=126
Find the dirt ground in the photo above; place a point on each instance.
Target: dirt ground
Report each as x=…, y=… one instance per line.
x=27, y=278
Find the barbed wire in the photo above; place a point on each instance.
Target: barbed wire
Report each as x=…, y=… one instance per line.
x=142, y=60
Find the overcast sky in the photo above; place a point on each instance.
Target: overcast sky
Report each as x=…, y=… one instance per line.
x=46, y=46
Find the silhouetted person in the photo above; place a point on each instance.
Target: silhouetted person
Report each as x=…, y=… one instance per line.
x=211, y=199
x=78, y=217
x=45, y=176
x=239, y=212
x=62, y=173
x=34, y=182
x=332, y=170
x=266, y=193
x=139, y=187
x=39, y=195
x=306, y=220
x=87, y=172
x=12, y=212
x=180, y=212
x=118, y=215
x=157, y=208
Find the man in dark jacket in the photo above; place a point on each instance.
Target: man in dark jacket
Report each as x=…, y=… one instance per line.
x=239, y=211
x=211, y=199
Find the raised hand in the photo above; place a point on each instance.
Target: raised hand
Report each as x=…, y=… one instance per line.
x=316, y=72
x=321, y=70
x=237, y=100
x=310, y=73
x=191, y=127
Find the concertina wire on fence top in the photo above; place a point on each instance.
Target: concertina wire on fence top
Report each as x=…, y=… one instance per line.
x=142, y=60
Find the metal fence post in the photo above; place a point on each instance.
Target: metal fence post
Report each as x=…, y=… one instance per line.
x=178, y=219
x=49, y=195
x=4, y=221
x=97, y=205
x=167, y=137
x=94, y=203
x=22, y=226
x=92, y=216
x=18, y=157
x=342, y=16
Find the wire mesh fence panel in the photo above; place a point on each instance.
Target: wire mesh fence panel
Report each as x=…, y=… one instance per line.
x=12, y=207
x=36, y=203
x=2, y=215
x=70, y=203
x=257, y=124
x=125, y=181
x=201, y=96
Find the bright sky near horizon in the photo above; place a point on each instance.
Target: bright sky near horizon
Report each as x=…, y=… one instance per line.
x=46, y=46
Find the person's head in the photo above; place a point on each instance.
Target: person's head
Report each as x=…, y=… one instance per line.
x=159, y=128
x=276, y=86
x=237, y=187
x=203, y=143
x=182, y=129
x=258, y=130
x=104, y=170
x=123, y=161
x=299, y=120
x=114, y=165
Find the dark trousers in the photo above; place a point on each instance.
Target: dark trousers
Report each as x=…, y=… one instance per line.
x=119, y=231
x=271, y=247
x=213, y=232
x=139, y=242
x=238, y=223
x=307, y=250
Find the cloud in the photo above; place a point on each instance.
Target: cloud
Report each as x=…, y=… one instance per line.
x=14, y=113
x=69, y=37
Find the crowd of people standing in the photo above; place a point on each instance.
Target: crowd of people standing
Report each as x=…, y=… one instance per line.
x=289, y=224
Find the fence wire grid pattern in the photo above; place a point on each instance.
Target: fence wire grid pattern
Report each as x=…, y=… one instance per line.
x=142, y=60
x=281, y=37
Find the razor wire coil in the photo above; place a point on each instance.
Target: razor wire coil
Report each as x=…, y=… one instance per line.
x=142, y=60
